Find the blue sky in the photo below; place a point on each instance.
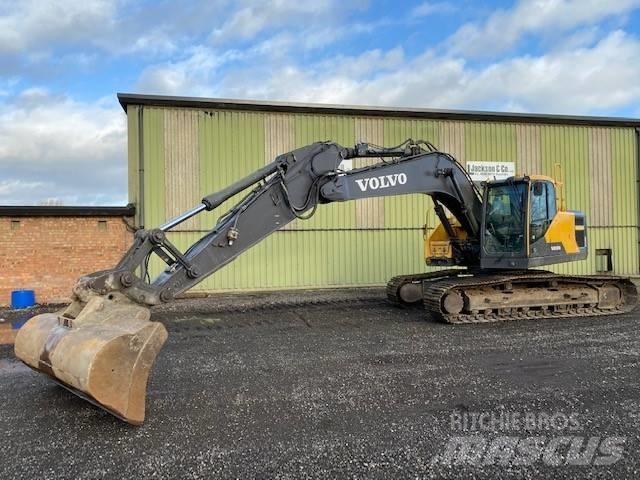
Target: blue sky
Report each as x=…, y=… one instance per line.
x=63, y=135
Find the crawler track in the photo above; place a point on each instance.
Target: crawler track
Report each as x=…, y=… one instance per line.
x=458, y=296
x=396, y=283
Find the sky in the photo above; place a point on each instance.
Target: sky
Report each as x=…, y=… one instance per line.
x=63, y=133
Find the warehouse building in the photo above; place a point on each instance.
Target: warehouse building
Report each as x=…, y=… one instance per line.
x=181, y=149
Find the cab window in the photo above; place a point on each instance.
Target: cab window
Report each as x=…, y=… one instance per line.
x=504, y=218
x=543, y=208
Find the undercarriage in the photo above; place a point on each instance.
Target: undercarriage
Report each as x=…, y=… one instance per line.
x=468, y=296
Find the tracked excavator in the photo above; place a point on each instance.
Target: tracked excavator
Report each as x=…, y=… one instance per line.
x=103, y=345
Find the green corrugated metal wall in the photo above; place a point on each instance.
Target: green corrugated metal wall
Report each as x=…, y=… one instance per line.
x=191, y=152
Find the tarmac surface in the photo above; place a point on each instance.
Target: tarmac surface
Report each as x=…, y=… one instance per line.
x=342, y=385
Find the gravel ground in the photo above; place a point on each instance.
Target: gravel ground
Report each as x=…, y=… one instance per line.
x=274, y=386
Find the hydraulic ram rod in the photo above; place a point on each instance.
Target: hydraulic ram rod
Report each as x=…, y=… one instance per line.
x=182, y=217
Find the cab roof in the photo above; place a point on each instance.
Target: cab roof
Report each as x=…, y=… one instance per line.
x=523, y=178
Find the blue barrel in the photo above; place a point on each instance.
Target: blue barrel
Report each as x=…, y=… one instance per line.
x=23, y=299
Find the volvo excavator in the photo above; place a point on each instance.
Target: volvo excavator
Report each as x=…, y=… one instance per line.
x=103, y=345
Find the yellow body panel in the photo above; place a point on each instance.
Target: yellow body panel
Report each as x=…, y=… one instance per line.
x=438, y=243
x=563, y=230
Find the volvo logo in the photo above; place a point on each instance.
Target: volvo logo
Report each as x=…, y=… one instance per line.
x=384, y=181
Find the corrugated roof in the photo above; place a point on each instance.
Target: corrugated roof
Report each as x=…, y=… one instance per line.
x=127, y=99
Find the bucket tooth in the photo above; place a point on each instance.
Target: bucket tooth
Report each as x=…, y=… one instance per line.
x=102, y=350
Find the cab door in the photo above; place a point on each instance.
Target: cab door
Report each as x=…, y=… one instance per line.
x=504, y=225
x=542, y=210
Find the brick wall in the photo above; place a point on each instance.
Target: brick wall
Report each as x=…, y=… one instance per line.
x=49, y=253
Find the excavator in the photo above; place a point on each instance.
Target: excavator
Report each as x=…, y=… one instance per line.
x=491, y=237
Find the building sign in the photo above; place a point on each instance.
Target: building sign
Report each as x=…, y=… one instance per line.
x=481, y=171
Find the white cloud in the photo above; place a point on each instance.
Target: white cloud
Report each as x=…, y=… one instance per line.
x=579, y=75
x=199, y=73
x=38, y=28
x=54, y=147
x=32, y=24
x=432, y=8
x=257, y=16
x=586, y=80
x=366, y=64
x=153, y=42
x=13, y=188
x=195, y=74
x=504, y=28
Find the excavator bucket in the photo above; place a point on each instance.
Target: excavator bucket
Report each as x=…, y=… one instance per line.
x=101, y=349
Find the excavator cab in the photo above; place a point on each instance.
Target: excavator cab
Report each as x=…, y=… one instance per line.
x=524, y=225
